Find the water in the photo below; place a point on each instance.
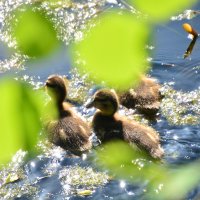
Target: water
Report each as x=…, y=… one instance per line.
x=53, y=175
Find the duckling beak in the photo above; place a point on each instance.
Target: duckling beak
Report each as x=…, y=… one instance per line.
x=46, y=83
x=90, y=103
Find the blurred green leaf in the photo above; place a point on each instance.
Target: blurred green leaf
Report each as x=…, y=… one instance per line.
x=20, y=118
x=158, y=10
x=34, y=32
x=114, y=50
x=130, y=161
x=164, y=183
x=179, y=182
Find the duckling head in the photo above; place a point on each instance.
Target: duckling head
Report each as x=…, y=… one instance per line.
x=106, y=101
x=56, y=88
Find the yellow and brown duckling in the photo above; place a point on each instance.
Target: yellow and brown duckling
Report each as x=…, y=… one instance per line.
x=146, y=97
x=69, y=131
x=108, y=125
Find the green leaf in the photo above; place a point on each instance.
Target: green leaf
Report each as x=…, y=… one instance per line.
x=160, y=10
x=20, y=118
x=179, y=182
x=34, y=32
x=114, y=50
x=131, y=162
x=164, y=183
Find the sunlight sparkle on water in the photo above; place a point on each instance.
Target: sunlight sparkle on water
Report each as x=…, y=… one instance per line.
x=18, y=158
x=187, y=14
x=159, y=188
x=32, y=164
x=84, y=156
x=175, y=137
x=122, y=184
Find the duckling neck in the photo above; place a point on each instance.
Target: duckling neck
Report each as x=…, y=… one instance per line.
x=60, y=106
x=58, y=103
x=64, y=109
x=109, y=112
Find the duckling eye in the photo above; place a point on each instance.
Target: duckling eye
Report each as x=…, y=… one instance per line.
x=102, y=101
x=50, y=85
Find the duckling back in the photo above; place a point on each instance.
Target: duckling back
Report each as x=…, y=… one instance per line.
x=70, y=132
x=145, y=137
x=108, y=128
x=145, y=98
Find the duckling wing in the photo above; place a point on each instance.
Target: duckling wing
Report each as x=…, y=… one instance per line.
x=146, y=97
x=144, y=137
x=149, y=109
x=71, y=133
x=148, y=92
x=128, y=99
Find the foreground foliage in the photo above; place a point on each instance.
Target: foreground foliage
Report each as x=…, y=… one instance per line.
x=112, y=51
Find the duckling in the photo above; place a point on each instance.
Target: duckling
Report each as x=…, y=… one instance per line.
x=108, y=125
x=145, y=98
x=69, y=131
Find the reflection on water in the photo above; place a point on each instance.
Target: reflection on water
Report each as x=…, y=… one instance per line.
x=55, y=175
x=181, y=108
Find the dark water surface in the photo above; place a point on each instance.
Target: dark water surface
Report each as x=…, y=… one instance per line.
x=45, y=174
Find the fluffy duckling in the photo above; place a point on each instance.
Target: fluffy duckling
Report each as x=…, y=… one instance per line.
x=145, y=98
x=108, y=125
x=69, y=131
